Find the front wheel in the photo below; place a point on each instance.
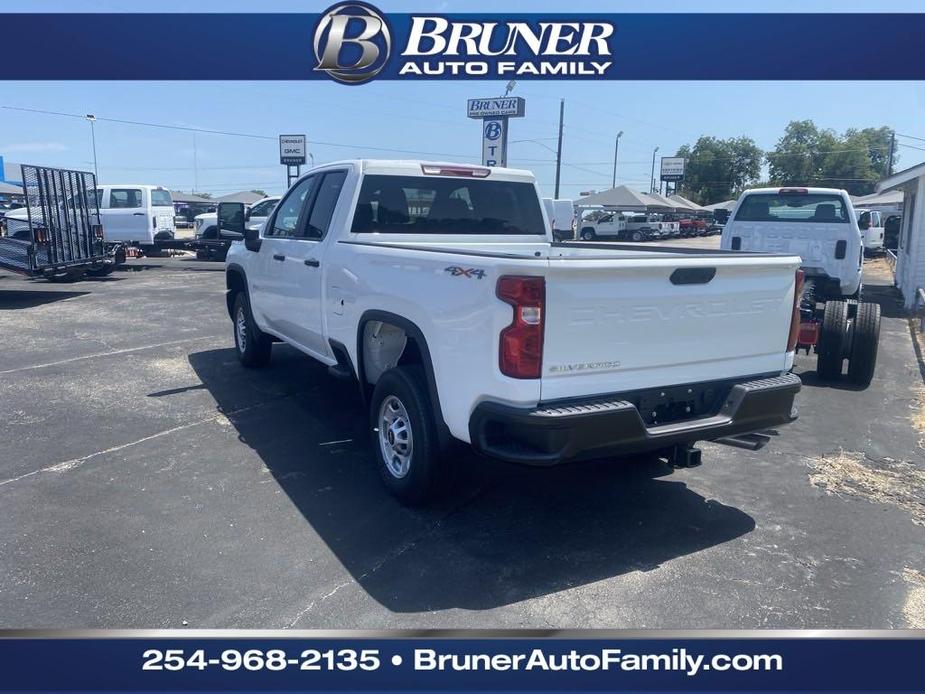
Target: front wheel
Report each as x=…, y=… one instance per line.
x=404, y=436
x=637, y=236
x=588, y=234
x=254, y=347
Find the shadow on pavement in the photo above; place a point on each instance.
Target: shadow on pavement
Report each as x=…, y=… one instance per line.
x=17, y=299
x=504, y=534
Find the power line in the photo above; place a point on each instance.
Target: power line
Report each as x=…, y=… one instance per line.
x=229, y=133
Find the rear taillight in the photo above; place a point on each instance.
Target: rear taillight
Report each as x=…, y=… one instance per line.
x=520, y=350
x=795, y=317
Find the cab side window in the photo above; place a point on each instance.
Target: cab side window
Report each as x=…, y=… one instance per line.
x=286, y=220
x=323, y=207
x=125, y=198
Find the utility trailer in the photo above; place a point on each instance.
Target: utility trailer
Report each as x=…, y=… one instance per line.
x=60, y=238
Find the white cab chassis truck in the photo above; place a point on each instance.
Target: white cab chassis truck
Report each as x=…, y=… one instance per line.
x=820, y=226
x=438, y=289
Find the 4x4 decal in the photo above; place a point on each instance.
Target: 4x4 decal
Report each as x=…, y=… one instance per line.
x=457, y=271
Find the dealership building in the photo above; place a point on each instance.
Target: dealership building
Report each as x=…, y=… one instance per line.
x=910, y=255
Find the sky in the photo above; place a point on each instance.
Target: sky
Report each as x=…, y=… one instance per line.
x=394, y=119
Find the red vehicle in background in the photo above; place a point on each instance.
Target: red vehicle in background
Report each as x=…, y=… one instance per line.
x=693, y=227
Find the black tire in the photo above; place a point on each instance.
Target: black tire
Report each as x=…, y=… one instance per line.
x=67, y=277
x=831, y=340
x=426, y=469
x=102, y=270
x=587, y=234
x=202, y=255
x=637, y=236
x=864, y=343
x=254, y=347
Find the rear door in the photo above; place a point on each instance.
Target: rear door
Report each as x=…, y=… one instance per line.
x=124, y=213
x=623, y=324
x=162, y=213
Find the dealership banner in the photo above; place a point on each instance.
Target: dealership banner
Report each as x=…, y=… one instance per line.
x=461, y=661
x=355, y=43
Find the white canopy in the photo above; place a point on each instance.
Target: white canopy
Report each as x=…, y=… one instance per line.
x=684, y=203
x=621, y=197
x=727, y=205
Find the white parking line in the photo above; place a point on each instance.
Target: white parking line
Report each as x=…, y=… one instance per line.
x=109, y=354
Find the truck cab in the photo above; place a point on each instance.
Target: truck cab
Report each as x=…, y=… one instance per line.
x=136, y=214
x=870, y=222
x=818, y=224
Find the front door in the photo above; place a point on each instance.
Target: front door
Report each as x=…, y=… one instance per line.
x=275, y=281
x=307, y=253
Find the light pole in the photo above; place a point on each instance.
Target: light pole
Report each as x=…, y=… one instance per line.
x=652, y=174
x=616, y=149
x=90, y=117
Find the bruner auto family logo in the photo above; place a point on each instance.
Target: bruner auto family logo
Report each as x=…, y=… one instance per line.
x=353, y=44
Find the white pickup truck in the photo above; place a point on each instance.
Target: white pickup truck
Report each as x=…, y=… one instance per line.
x=437, y=287
x=820, y=226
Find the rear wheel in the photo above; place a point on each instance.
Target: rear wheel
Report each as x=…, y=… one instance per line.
x=864, y=343
x=404, y=436
x=637, y=236
x=254, y=347
x=831, y=340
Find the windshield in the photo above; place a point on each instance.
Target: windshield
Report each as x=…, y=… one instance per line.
x=431, y=205
x=793, y=207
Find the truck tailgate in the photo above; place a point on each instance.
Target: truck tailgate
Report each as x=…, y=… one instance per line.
x=617, y=325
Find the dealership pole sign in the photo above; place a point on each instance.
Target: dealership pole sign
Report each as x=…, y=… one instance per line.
x=672, y=169
x=495, y=114
x=292, y=154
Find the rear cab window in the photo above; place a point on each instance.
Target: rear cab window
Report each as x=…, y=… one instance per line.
x=161, y=198
x=444, y=205
x=821, y=208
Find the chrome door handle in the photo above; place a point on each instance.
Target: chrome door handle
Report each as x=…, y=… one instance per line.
x=312, y=262
x=277, y=256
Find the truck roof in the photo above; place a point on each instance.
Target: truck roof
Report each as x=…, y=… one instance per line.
x=829, y=191
x=412, y=167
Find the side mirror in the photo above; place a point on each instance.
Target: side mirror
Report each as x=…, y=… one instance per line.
x=231, y=218
x=252, y=239
x=247, y=214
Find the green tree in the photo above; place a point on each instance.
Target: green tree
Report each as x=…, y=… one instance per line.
x=717, y=169
x=259, y=192
x=809, y=156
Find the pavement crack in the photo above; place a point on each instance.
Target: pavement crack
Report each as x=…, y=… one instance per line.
x=73, y=463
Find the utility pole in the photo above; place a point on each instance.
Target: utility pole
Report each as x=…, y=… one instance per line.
x=652, y=173
x=559, y=148
x=616, y=149
x=92, y=119
x=889, y=166
x=195, y=164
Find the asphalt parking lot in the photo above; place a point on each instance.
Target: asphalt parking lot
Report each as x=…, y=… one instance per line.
x=147, y=480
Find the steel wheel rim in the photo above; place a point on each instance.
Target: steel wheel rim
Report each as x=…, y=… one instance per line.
x=395, y=438
x=240, y=326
